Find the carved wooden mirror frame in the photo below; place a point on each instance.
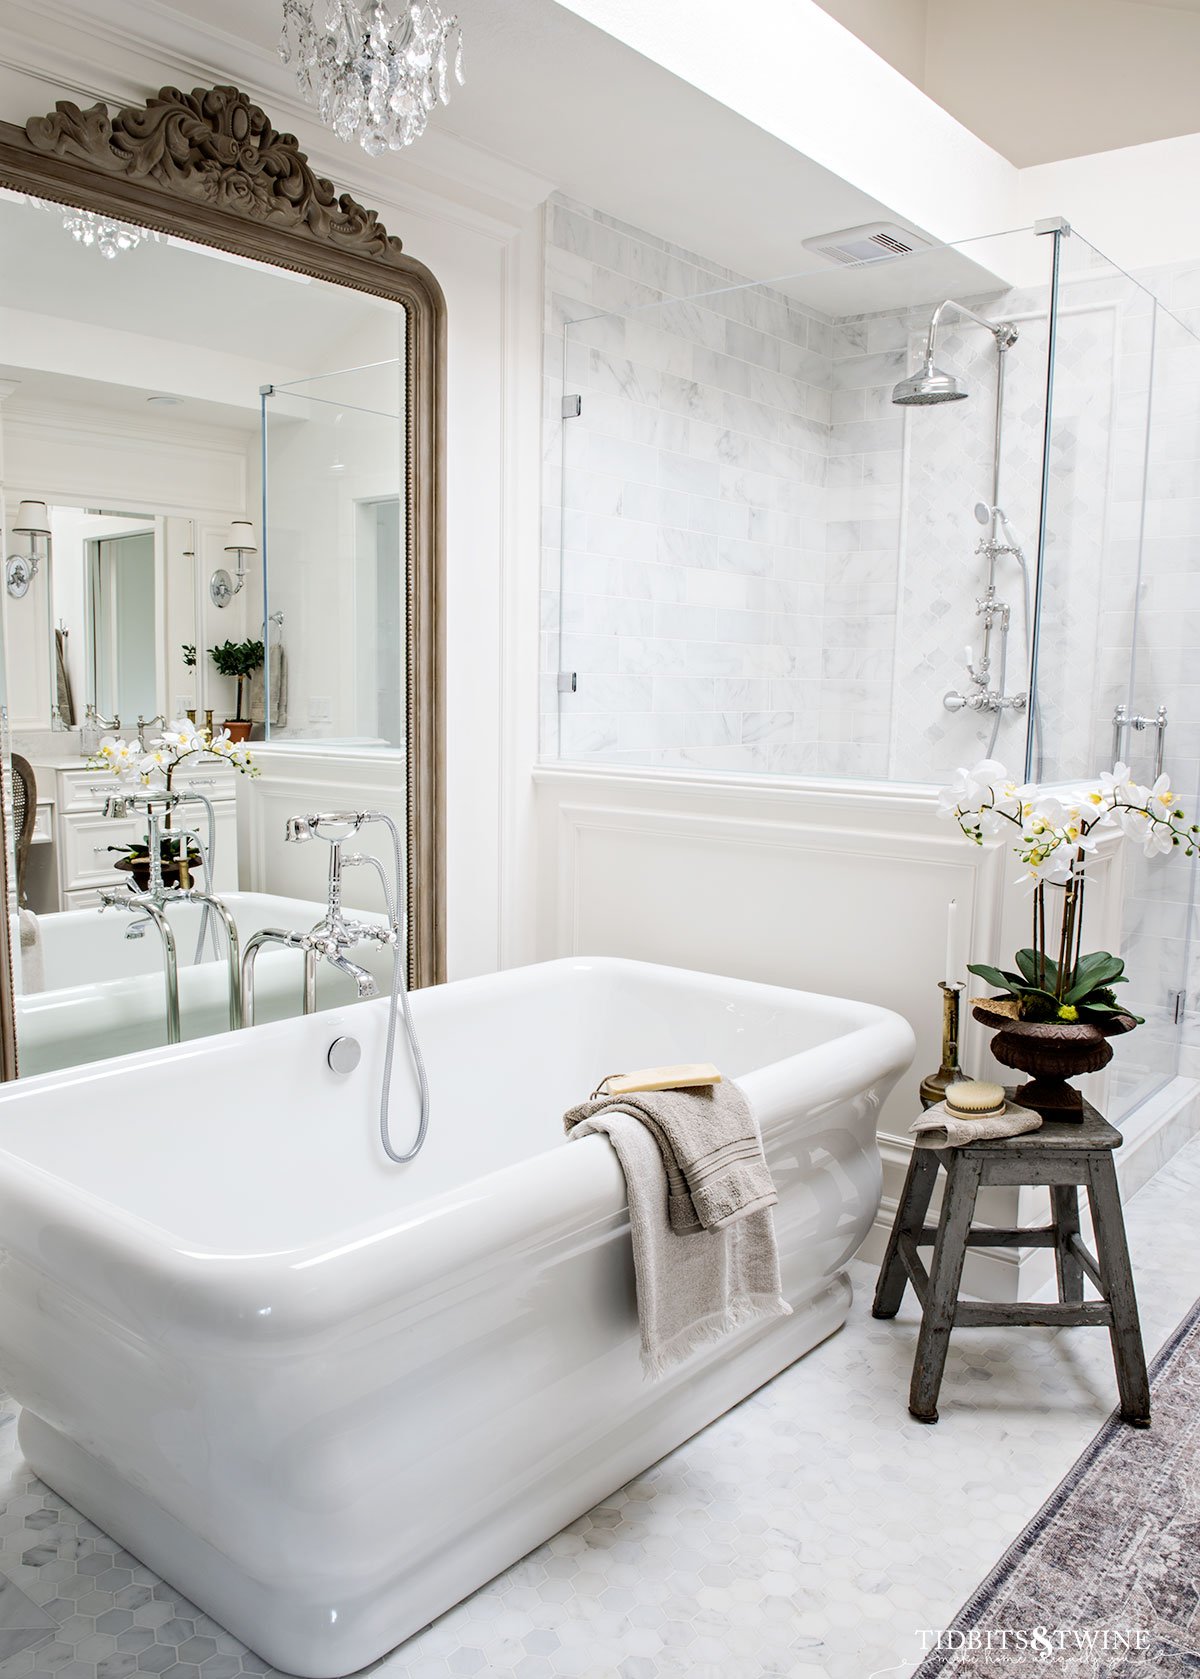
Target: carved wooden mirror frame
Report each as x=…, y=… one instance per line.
x=209, y=167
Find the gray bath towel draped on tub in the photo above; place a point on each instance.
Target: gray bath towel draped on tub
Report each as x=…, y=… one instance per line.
x=700, y=1196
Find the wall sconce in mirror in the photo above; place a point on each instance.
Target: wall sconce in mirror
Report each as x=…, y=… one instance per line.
x=242, y=541
x=32, y=529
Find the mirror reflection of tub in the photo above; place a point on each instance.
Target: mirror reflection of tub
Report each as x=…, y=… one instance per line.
x=102, y=990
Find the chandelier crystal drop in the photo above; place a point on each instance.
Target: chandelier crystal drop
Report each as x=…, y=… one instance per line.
x=102, y=233
x=371, y=75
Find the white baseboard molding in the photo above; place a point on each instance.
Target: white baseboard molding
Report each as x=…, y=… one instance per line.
x=1155, y=1131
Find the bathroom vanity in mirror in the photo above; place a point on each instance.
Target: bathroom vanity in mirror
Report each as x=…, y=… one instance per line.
x=222, y=502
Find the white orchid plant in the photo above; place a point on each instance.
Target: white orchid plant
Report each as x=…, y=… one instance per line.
x=1053, y=836
x=154, y=765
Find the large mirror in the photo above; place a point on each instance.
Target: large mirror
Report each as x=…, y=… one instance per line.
x=219, y=436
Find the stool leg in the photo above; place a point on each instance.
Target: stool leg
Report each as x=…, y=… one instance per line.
x=910, y=1219
x=945, y=1274
x=1064, y=1199
x=1112, y=1256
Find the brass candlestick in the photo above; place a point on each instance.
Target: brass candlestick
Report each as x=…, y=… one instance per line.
x=934, y=1087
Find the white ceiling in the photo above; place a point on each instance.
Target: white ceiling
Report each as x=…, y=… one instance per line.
x=67, y=392
x=187, y=294
x=82, y=331
x=1042, y=80
x=568, y=102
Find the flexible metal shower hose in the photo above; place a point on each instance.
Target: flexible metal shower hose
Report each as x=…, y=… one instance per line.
x=399, y=1003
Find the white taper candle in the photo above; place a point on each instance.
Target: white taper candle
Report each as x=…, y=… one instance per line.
x=951, y=917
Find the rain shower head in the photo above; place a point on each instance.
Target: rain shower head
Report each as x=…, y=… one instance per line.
x=927, y=386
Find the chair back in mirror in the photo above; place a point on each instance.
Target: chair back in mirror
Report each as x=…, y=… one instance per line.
x=259, y=541
x=24, y=784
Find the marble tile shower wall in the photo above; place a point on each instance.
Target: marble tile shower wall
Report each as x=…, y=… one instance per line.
x=862, y=535
x=768, y=567
x=906, y=485
x=765, y=565
x=691, y=518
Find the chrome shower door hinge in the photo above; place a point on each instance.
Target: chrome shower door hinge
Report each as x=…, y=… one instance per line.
x=568, y=682
x=1178, y=1001
x=572, y=407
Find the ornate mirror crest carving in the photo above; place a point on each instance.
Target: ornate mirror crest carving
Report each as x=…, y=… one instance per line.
x=210, y=167
x=213, y=145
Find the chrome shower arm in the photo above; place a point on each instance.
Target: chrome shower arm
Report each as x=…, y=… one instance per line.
x=1003, y=332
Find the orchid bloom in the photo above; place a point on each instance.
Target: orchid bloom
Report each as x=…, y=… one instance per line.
x=152, y=765
x=1054, y=838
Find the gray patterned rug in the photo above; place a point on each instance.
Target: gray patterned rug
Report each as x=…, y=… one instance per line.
x=1104, y=1583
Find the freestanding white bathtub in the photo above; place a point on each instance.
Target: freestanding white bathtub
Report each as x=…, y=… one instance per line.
x=328, y=1397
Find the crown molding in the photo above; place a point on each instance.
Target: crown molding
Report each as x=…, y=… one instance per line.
x=96, y=422
x=125, y=55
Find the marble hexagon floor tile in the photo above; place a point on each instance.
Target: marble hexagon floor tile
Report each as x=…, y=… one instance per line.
x=813, y=1532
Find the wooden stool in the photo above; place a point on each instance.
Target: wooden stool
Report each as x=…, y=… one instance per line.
x=1062, y=1155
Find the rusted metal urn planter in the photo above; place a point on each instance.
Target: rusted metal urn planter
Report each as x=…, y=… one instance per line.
x=1054, y=1051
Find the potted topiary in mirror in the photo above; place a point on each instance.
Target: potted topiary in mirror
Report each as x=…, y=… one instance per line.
x=1057, y=1007
x=239, y=659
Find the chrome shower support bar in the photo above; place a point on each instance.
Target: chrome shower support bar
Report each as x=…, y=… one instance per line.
x=1123, y=722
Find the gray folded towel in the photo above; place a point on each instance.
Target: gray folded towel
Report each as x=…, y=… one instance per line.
x=710, y=1146
x=694, y=1286
x=279, y=688
x=1013, y=1122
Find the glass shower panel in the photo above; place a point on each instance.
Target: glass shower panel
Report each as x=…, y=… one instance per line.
x=1114, y=676
x=766, y=564
x=1095, y=496
x=333, y=574
x=1162, y=706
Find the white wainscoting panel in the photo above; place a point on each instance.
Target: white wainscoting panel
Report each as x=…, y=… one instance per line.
x=837, y=887
x=830, y=890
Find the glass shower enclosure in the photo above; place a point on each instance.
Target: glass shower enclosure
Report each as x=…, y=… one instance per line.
x=876, y=522
x=333, y=450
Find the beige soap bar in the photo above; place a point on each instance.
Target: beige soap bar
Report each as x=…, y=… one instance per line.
x=681, y=1077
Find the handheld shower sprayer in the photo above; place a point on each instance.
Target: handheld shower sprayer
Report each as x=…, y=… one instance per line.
x=336, y=933
x=333, y=826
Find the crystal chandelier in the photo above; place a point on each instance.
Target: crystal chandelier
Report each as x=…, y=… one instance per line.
x=368, y=73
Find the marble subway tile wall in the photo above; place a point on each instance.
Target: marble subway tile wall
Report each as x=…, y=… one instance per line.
x=863, y=505
x=689, y=499
x=768, y=567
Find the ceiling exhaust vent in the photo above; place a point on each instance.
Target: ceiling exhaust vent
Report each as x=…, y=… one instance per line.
x=873, y=242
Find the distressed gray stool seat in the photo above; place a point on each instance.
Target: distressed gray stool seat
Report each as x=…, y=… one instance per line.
x=1063, y=1155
